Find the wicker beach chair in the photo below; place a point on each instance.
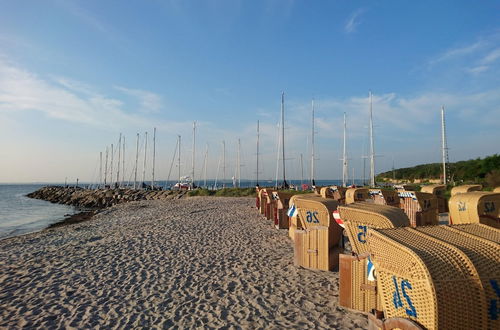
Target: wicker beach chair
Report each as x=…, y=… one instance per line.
x=404, y=187
x=421, y=208
x=280, y=208
x=385, y=197
x=427, y=280
x=339, y=194
x=475, y=207
x=496, y=190
x=357, y=195
x=465, y=189
x=326, y=192
x=357, y=291
x=262, y=195
x=438, y=190
x=484, y=254
x=316, y=244
x=269, y=201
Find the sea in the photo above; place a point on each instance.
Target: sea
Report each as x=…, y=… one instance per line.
x=21, y=215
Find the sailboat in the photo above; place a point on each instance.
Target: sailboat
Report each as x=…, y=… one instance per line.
x=185, y=182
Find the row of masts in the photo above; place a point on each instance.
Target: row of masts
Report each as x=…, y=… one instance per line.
x=345, y=169
x=120, y=180
x=108, y=179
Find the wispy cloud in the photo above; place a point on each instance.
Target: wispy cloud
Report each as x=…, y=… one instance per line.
x=475, y=58
x=456, y=52
x=69, y=100
x=354, y=20
x=149, y=101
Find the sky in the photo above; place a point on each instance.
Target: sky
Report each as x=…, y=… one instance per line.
x=76, y=74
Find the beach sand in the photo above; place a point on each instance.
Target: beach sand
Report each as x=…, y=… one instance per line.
x=196, y=262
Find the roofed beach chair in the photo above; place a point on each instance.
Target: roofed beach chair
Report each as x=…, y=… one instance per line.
x=316, y=243
x=465, y=189
x=475, y=207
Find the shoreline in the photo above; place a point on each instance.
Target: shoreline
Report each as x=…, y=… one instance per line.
x=78, y=217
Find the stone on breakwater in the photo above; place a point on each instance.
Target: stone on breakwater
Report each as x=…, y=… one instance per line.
x=100, y=198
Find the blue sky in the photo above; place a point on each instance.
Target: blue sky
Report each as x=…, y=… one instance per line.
x=74, y=74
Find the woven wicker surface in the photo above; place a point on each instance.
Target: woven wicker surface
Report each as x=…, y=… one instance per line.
x=497, y=189
x=475, y=207
x=465, y=188
x=360, y=216
x=484, y=231
x=361, y=292
x=443, y=289
x=484, y=254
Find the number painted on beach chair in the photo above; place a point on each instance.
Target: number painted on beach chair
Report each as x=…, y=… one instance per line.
x=462, y=206
x=362, y=233
x=489, y=207
x=494, y=308
x=311, y=217
x=390, y=199
x=427, y=204
x=396, y=299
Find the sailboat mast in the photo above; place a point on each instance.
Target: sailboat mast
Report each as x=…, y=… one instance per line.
x=100, y=169
x=372, y=149
x=123, y=162
x=312, y=145
x=223, y=164
x=344, y=157
x=444, y=145
x=258, y=137
x=278, y=149
x=119, y=158
x=239, y=164
x=194, y=153
x=205, y=168
x=154, y=159
x=136, y=162
x=111, y=169
x=301, y=171
x=172, y=163
x=285, y=184
x=106, y=169
x=179, y=158
x=145, y=158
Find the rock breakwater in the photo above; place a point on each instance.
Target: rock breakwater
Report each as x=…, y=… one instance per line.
x=100, y=198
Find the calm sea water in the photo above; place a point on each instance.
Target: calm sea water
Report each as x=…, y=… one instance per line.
x=20, y=214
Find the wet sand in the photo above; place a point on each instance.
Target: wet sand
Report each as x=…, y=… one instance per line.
x=196, y=262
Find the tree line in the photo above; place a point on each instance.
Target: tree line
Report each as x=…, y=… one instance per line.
x=479, y=170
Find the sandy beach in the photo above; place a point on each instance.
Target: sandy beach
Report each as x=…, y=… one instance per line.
x=195, y=262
